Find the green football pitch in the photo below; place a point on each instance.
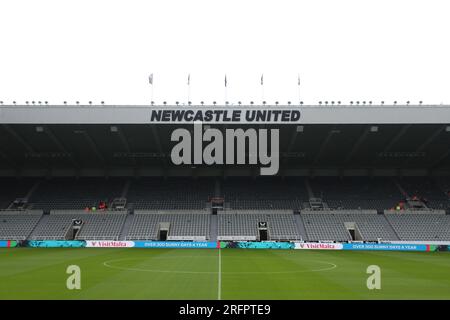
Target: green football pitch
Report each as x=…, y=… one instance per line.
x=38, y=273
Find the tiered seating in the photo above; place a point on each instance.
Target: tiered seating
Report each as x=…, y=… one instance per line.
x=427, y=189
x=69, y=193
x=96, y=226
x=18, y=225
x=421, y=226
x=170, y=194
x=244, y=223
x=357, y=192
x=188, y=224
x=12, y=188
x=264, y=193
x=331, y=226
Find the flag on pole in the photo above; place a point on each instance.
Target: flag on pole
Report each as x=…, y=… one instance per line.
x=225, y=80
x=298, y=80
x=150, y=79
x=189, y=79
x=262, y=79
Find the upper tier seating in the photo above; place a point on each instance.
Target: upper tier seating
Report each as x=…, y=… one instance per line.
x=357, y=192
x=69, y=193
x=264, y=193
x=170, y=194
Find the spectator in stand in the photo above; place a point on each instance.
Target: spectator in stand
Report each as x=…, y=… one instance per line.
x=102, y=205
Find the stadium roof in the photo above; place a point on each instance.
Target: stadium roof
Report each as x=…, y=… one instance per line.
x=121, y=140
x=141, y=114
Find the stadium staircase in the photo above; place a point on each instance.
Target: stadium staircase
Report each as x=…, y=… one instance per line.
x=42, y=220
x=402, y=190
x=213, y=229
x=126, y=187
x=300, y=225
x=389, y=225
x=309, y=189
x=126, y=227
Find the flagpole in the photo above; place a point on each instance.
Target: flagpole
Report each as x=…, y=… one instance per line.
x=150, y=80
x=262, y=88
x=226, y=90
x=189, y=88
x=298, y=84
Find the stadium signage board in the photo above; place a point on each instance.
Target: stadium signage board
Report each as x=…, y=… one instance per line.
x=8, y=244
x=176, y=244
x=318, y=246
x=109, y=244
x=225, y=115
x=142, y=114
x=386, y=247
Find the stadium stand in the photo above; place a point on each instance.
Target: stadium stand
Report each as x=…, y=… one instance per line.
x=184, y=225
x=13, y=188
x=18, y=225
x=243, y=224
x=428, y=190
x=170, y=194
x=335, y=226
x=69, y=193
x=331, y=208
x=95, y=226
x=264, y=193
x=426, y=225
x=356, y=192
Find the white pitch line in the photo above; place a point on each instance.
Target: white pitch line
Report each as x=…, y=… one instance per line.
x=219, y=286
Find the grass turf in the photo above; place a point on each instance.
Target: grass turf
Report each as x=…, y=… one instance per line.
x=38, y=273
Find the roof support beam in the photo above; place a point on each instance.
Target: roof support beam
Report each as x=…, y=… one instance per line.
x=324, y=145
x=397, y=137
x=357, y=144
x=157, y=139
x=123, y=139
x=427, y=142
x=60, y=146
x=440, y=159
x=291, y=145
x=22, y=141
x=93, y=146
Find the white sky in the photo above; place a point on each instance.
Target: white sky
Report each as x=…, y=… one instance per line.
x=344, y=50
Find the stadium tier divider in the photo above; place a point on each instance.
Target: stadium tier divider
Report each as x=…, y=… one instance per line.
x=176, y=211
x=402, y=212
x=250, y=211
x=339, y=211
x=83, y=212
x=23, y=212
